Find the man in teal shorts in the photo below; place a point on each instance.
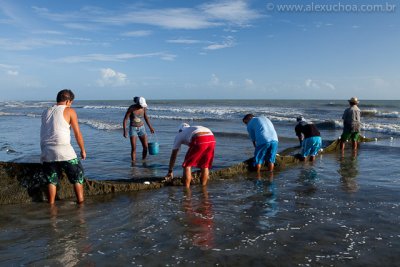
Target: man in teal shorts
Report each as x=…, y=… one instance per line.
x=351, y=124
x=265, y=140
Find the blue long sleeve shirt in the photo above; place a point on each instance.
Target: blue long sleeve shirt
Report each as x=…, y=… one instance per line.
x=261, y=130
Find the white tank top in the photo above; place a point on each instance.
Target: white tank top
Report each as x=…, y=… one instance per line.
x=55, y=136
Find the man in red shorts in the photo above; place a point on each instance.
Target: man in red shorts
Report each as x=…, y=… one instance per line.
x=200, y=154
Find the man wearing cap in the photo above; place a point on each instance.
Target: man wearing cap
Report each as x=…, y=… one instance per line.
x=200, y=154
x=265, y=140
x=351, y=124
x=309, y=138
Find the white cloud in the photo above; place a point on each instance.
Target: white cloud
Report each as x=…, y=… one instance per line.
x=319, y=85
x=379, y=82
x=112, y=78
x=80, y=26
x=115, y=57
x=185, y=41
x=236, y=12
x=214, y=79
x=10, y=70
x=228, y=42
x=218, y=13
x=137, y=33
x=29, y=44
x=249, y=82
x=12, y=73
x=48, y=32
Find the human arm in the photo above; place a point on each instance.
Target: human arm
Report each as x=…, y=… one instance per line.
x=297, y=129
x=128, y=112
x=73, y=120
x=146, y=118
x=171, y=165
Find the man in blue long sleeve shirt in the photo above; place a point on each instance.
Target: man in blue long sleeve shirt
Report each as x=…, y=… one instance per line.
x=265, y=140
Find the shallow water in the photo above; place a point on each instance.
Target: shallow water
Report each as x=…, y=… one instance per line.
x=338, y=211
x=334, y=212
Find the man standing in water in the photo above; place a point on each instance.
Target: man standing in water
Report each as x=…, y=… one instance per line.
x=58, y=155
x=265, y=140
x=200, y=154
x=351, y=124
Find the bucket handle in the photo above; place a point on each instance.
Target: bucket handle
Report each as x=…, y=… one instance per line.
x=153, y=137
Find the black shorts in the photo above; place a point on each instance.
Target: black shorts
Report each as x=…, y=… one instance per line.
x=73, y=169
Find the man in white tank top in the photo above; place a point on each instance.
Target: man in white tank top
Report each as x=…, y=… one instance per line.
x=58, y=155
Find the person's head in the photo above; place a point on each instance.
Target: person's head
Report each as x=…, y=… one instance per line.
x=353, y=101
x=140, y=101
x=247, y=118
x=65, y=95
x=183, y=126
x=300, y=118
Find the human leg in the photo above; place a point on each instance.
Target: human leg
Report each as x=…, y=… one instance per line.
x=52, y=172
x=272, y=149
x=52, y=190
x=75, y=173
x=204, y=174
x=145, y=145
x=187, y=175
x=78, y=188
x=133, y=148
x=354, y=140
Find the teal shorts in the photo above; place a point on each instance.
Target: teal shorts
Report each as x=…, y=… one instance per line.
x=73, y=169
x=265, y=153
x=311, y=146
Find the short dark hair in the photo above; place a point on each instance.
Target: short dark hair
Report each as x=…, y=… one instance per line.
x=65, y=95
x=248, y=117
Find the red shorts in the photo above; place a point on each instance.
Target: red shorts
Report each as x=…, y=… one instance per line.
x=201, y=152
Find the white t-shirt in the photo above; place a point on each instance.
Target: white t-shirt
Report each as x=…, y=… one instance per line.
x=186, y=135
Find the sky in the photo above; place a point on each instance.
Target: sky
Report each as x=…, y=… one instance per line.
x=218, y=49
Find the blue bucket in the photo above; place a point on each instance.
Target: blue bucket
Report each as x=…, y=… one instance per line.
x=154, y=148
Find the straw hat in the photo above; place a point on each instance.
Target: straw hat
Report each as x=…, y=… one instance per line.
x=353, y=100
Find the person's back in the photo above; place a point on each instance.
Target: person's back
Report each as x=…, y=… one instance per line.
x=185, y=136
x=261, y=130
x=352, y=119
x=351, y=124
x=307, y=129
x=55, y=136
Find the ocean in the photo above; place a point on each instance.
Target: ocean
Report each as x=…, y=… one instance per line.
x=337, y=211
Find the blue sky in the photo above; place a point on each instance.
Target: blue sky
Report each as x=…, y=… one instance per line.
x=197, y=50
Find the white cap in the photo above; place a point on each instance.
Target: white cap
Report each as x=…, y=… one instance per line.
x=183, y=126
x=142, y=102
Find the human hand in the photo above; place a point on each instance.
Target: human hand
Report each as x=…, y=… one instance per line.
x=169, y=176
x=83, y=154
x=152, y=130
x=125, y=134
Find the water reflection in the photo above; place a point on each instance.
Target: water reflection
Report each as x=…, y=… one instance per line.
x=68, y=238
x=200, y=218
x=264, y=203
x=307, y=181
x=348, y=170
x=146, y=168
